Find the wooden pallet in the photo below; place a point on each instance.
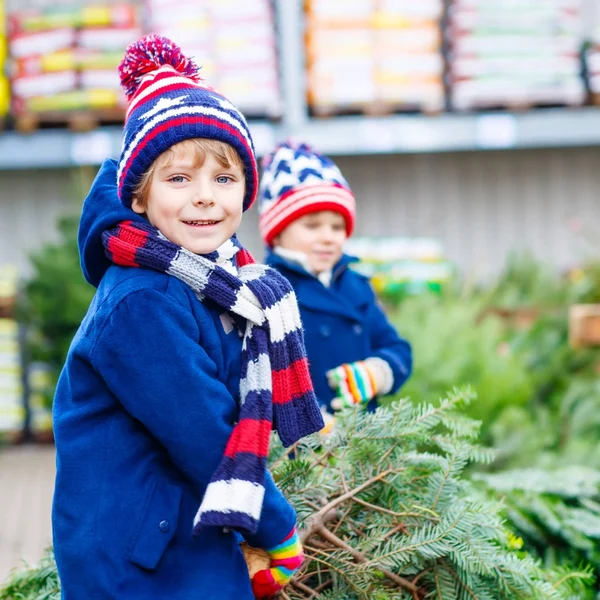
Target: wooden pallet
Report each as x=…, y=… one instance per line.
x=584, y=325
x=76, y=120
x=514, y=107
x=7, y=307
x=372, y=109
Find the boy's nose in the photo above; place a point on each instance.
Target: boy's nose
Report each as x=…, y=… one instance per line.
x=203, y=195
x=327, y=235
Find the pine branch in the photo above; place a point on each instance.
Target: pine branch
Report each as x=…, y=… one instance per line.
x=359, y=557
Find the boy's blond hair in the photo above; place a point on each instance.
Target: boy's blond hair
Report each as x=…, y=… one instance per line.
x=223, y=153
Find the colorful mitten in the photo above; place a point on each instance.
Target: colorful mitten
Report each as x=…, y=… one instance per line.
x=359, y=382
x=286, y=559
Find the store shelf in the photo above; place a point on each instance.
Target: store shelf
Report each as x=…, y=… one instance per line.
x=397, y=134
x=350, y=135
x=56, y=148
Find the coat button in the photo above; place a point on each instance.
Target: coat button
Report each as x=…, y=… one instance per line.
x=164, y=526
x=325, y=330
x=357, y=329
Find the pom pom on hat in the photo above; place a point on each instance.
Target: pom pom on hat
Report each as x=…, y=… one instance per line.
x=168, y=104
x=149, y=54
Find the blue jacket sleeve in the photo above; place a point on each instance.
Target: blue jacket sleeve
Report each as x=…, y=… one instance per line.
x=149, y=356
x=388, y=345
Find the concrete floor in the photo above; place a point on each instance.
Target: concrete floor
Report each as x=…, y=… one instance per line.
x=26, y=487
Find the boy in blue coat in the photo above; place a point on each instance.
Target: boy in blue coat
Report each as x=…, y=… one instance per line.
x=187, y=358
x=307, y=211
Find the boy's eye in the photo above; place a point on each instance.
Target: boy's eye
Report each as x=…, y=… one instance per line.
x=177, y=179
x=224, y=179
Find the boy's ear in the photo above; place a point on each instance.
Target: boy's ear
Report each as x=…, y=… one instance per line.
x=137, y=207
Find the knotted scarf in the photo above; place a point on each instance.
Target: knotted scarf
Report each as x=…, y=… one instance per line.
x=276, y=391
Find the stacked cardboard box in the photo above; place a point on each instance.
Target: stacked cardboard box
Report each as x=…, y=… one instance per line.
x=234, y=43
x=592, y=53
x=4, y=88
x=399, y=266
x=507, y=53
x=12, y=407
x=370, y=52
x=66, y=58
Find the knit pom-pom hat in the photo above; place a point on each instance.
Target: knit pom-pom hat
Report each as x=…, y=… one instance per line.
x=170, y=103
x=296, y=181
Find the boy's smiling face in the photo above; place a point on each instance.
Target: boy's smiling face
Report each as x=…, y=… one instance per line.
x=319, y=235
x=195, y=203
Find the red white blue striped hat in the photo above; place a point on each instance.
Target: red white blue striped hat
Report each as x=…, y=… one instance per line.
x=296, y=181
x=170, y=103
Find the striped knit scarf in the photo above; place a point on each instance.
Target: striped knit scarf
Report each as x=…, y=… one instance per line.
x=275, y=387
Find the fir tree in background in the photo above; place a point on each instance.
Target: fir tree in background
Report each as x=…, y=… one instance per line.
x=56, y=296
x=556, y=512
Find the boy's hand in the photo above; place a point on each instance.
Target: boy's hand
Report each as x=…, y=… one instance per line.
x=359, y=382
x=329, y=421
x=354, y=383
x=286, y=559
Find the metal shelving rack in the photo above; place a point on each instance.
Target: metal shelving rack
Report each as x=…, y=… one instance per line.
x=350, y=135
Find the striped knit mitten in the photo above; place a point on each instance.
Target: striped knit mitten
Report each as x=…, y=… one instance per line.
x=360, y=381
x=286, y=559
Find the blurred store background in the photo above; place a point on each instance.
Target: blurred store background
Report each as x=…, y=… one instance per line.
x=469, y=130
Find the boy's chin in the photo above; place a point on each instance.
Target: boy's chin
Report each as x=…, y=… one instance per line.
x=203, y=247
x=322, y=266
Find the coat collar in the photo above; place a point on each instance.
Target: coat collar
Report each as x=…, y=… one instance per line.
x=276, y=261
x=315, y=295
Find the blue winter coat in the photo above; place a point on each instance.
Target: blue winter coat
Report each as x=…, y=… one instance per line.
x=144, y=407
x=343, y=323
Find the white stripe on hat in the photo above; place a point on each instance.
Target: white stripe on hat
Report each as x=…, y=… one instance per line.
x=344, y=207
x=159, y=85
x=305, y=196
x=177, y=112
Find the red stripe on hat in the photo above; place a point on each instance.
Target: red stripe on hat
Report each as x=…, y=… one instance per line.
x=122, y=250
x=189, y=120
x=270, y=233
x=292, y=382
x=306, y=195
x=158, y=92
x=311, y=190
x=249, y=435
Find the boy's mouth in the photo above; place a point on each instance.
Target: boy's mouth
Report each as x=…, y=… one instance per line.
x=202, y=223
